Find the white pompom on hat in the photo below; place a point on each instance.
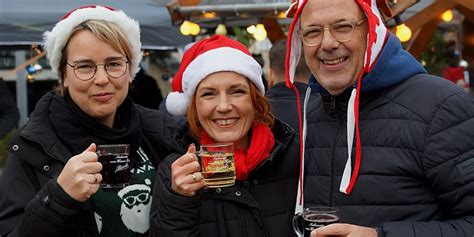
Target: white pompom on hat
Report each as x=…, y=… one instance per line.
x=56, y=39
x=205, y=57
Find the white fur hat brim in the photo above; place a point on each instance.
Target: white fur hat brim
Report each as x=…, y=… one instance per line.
x=141, y=187
x=56, y=39
x=215, y=60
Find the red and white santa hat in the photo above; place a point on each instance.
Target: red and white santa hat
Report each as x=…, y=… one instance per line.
x=376, y=38
x=136, y=187
x=215, y=54
x=56, y=39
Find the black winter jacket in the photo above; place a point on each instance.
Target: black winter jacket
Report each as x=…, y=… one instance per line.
x=283, y=102
x=36, y=205
x=416, y=175
x=263, y=205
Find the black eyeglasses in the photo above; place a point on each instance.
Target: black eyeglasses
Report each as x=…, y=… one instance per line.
x=86, y=70
x=341, y=31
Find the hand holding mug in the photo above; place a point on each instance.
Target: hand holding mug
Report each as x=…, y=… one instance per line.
x=313, y=218
x=344, y=230
x=80, y=177
x=186, y=177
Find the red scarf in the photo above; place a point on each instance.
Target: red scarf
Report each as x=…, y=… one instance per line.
x=261, y=144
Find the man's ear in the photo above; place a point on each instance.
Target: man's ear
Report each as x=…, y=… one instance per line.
x=270, y=79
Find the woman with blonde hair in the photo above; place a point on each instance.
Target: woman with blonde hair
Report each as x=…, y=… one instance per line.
x=51, y=181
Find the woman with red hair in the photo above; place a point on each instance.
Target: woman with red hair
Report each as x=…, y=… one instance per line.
x=219, y=86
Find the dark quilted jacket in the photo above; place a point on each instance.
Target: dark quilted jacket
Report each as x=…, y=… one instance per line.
x=261, y=206
x=417, y=172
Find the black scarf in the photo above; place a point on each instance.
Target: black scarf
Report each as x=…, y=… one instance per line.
x=78, y=130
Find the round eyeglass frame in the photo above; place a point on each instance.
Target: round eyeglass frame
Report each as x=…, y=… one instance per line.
x=95, y=69
x=354, y=25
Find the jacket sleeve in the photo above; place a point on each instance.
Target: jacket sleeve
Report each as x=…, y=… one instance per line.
x=172, y=214
x=8, y=110
x=25, y=211
x=448, y=161
x=159, y=132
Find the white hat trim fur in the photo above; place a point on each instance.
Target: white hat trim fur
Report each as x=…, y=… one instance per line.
x=56, y=39
x=215, y=60
x=141, y=187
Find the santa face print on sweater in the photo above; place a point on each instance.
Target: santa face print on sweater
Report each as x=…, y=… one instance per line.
x=136, y=202
x=125, y=212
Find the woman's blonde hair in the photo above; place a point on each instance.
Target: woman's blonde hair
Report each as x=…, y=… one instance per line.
x=104, y=30
x=259, y=102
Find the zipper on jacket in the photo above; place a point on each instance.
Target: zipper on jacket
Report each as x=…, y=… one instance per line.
x=333, y=103
x=333, y=154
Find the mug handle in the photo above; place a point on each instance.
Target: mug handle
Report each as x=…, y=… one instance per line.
x=198, y=153
x=296, y=223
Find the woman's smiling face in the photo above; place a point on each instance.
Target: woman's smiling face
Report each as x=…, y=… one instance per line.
x=100, y=96
x=224, y=107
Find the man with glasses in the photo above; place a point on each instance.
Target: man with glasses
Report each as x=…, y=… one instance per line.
x=386, y=143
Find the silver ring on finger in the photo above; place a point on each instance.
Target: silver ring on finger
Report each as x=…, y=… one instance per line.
x=199, y=176
x=194, y=178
